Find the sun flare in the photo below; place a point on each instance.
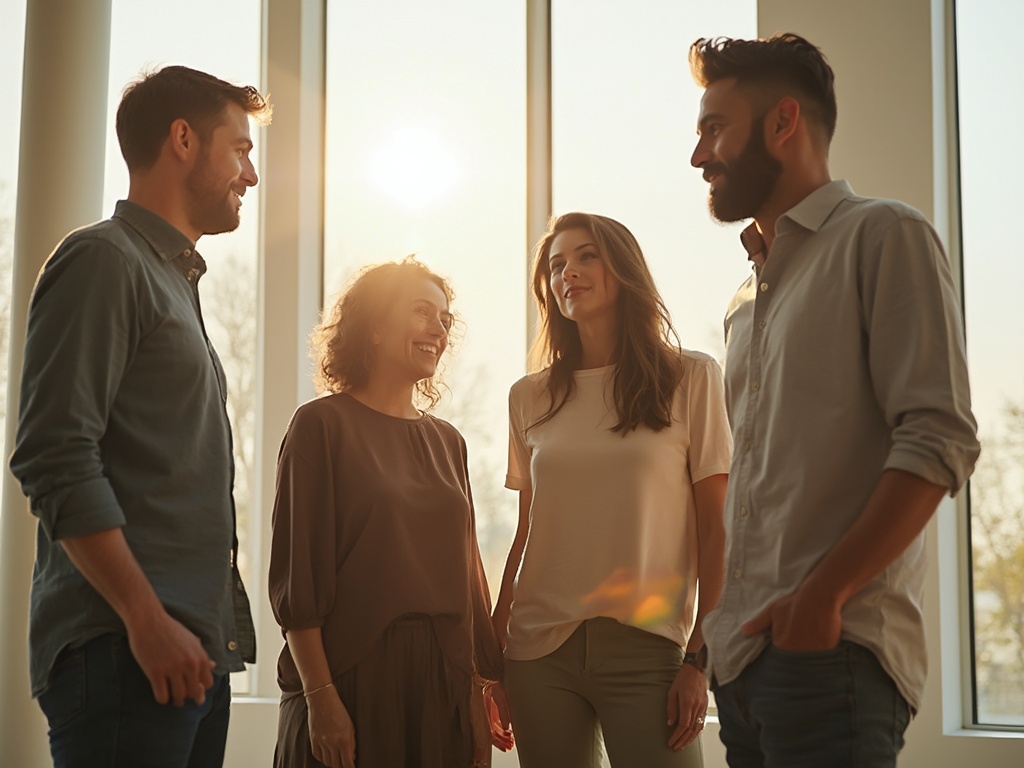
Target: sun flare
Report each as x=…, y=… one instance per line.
x=414, y=166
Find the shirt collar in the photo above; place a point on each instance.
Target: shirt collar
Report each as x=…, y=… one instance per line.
x=169, y=243
x=810, y=213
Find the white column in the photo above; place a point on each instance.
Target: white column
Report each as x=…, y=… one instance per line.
x=538, y=136
x=290, y=295
x=60, y=187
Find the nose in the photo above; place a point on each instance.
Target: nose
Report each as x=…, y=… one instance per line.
x=700, y=155
x=249, y=175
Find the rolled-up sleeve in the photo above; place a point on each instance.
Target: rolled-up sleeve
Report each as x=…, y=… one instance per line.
x=917, y=357
x=81, y=332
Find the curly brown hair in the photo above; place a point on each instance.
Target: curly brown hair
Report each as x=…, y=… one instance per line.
x=648, y=363
x=340, y=345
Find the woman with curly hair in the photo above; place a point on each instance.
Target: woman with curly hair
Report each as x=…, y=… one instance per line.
x=375, y=573
x=619, y=448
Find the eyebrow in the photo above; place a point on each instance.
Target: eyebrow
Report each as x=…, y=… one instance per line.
x=577, y=248
x=708, y=118
x=445, y=311
x=247, y=143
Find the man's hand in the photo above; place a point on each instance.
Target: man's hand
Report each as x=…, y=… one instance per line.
x=687, y=706
x=332, y=736
x=799, y=622
x=173, y=660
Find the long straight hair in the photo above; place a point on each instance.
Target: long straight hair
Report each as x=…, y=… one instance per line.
x=648, y=363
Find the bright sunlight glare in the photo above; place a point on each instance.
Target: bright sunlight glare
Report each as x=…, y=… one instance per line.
x=415, y=167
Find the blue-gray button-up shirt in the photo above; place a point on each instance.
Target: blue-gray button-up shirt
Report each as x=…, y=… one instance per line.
x=122, y=423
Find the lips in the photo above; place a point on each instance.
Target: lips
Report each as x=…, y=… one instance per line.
x=571, y=293
x=431, y=349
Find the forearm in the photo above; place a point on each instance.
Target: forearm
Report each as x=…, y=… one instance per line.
x=503, y=605
x=709, y=495
x=107, y=563
x=307, y=649
x=898, y=509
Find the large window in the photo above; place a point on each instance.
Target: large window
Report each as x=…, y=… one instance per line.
x=426, y=154
x=624, y=120
x=989, y=61
x=147, y=36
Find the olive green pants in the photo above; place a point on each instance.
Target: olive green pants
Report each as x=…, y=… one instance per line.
x=607, y=685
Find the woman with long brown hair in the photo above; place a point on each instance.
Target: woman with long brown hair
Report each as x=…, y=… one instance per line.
x=619, y=448
x=375, y=573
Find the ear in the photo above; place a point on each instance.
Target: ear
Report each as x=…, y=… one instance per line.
x=781, y=121
x=183, y=140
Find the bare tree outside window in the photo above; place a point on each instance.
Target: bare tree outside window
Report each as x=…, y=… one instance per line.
x=997, y=550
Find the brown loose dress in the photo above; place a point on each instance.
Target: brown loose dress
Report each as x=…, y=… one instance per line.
x=374, y=542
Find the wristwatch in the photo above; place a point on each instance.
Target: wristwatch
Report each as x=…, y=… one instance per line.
x=698, y=659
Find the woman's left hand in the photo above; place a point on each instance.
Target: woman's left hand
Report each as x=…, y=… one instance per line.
x=480, y=728
x=687, y=706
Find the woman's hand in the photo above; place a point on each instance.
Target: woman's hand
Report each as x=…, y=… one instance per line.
x=498, y=718
x=687, y=706
x=331, y=733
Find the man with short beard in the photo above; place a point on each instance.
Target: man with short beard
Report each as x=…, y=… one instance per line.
x=138, y=613
x=848, y=397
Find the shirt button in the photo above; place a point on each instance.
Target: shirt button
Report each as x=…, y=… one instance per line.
x=232, y=645
x=737, y=573
x=239, y=587
x=743, y=511
x=755, y=386
x=764, y=287
x=762, y=324
x=747, y=446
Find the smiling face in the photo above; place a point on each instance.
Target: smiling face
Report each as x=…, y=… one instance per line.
x=582, y=285
x=221, y=174
x=414, y=333
x=731, y=152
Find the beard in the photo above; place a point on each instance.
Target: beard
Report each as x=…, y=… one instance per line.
x=212, y=208
x=749, y=179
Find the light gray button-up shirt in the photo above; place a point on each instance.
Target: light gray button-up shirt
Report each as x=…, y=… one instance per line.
x=844, y=357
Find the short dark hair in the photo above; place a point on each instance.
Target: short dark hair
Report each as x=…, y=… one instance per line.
x=150, y=104
x=785, y=64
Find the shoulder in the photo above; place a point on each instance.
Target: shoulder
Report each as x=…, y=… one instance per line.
x=880, y=214
x=102, y=242
x=318, y=414
x=700, y=371
x=694, y=359
x=444, y=428
x=529, y=386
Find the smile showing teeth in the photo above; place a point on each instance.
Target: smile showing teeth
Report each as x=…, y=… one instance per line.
x=429, y=348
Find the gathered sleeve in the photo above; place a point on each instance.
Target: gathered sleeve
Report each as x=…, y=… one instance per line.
x=710, y=437
x=303, y=550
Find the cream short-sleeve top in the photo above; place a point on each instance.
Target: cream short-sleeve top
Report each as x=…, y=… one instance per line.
x=613, y=529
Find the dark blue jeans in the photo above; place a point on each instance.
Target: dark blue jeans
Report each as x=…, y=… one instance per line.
x=835, y=708
x=102, y=714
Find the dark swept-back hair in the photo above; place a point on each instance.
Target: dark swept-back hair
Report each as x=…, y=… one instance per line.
x=783, y=65
x=648, y=363
x=341, y=346
x=150, y=104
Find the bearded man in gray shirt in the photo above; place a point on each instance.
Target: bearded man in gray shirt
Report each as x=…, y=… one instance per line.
x=138, y=613
x=847, y=390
